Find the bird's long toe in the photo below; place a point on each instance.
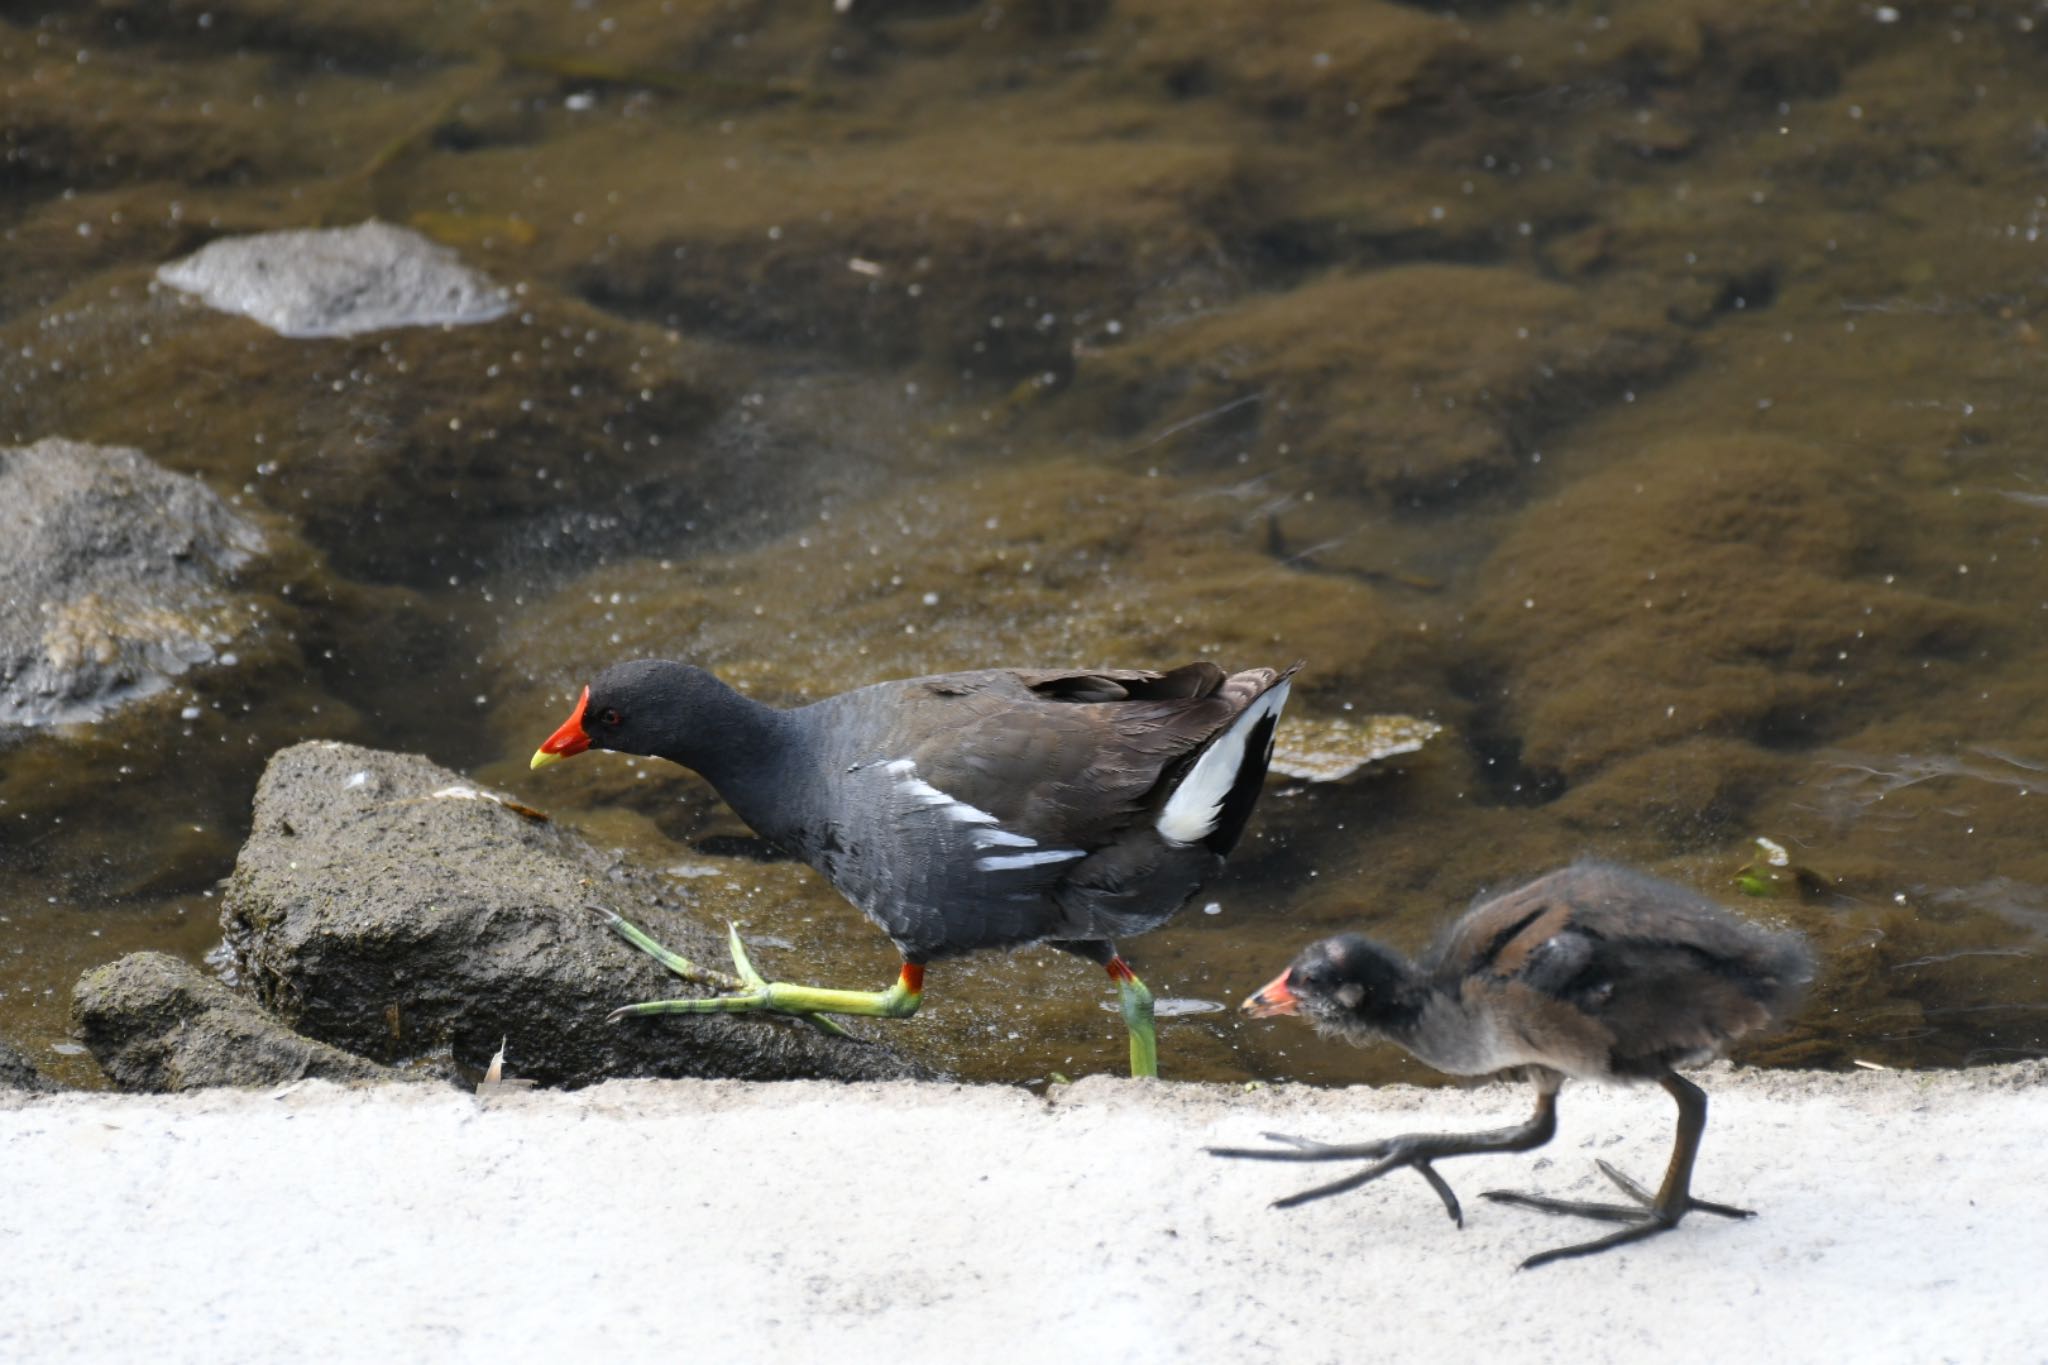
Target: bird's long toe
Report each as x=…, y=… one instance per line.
x=1645, y=1217
x=667, y=957
x=741, y=1003
x=1387, y=1154
x=1645, y=1226
x=1645, y=1202
x=1295, y=1148
x=1569, y=1208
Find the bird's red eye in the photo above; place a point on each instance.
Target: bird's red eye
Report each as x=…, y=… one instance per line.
x=608, y=718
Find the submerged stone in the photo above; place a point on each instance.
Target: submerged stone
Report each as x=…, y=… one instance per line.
x=114, y=579
x=337, y=282
x=1331, y=748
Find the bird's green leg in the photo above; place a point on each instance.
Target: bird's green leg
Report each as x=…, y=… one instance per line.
x=1135, y=1002
x=749, y=991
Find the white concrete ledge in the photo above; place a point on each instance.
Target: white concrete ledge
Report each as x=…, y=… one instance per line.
x=1902, y=1217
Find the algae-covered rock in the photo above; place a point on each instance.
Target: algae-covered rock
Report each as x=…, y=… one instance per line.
x=404, y=456
x=1689, y=793
x=387, y=906
x=1729, y=581
x=1417, y=382
x=1056, y=562
x=116, y=576
x=155, y=1022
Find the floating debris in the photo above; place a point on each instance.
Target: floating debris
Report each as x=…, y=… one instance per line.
x=1331, y=749
x=463, y=792
x=495, y=1081
x=1775, y=875
x=1172, y=1006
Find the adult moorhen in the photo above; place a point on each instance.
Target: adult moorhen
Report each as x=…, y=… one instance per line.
x=1594, y=972
x=963, y=811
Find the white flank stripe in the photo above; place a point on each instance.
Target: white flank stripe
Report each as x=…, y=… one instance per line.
x=1002, y=838
x=1006, y=862
x=1191, y=811
x=955, y=809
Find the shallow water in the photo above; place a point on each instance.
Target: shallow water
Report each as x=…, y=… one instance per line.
x=1648, y=393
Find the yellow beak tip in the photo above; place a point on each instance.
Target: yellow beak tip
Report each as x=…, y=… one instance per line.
x=541, y=759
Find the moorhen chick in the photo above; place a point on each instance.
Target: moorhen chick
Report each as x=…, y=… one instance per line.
x=963, y=811
x=1593, y=972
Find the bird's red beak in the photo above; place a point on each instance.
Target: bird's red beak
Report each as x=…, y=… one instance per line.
x=571, y=739
x=1273, y=998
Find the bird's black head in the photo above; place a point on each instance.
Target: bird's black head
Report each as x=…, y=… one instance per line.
x=1348, y=985
x=643, y=706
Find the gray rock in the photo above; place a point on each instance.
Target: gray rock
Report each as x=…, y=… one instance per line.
x=113, y=579
x=391, y=908
x=155, y=1022
x=18, y=1073
x=337, y=282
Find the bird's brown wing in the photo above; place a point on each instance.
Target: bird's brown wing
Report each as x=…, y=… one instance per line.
x=1650, y=970
x=1057, y=757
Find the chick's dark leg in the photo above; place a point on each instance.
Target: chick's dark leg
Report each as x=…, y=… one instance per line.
x=1649, y=1214
x=1414, y=1150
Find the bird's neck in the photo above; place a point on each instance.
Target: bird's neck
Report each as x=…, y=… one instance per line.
x=1452, y=1037
x=746, y=750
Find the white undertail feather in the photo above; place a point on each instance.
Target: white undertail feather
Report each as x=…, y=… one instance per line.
x=1191, y=812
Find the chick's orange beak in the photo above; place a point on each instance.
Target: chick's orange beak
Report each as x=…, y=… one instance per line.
x=1273, y=998
x=569, y=740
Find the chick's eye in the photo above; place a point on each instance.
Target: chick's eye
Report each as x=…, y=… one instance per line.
x=608, y=718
